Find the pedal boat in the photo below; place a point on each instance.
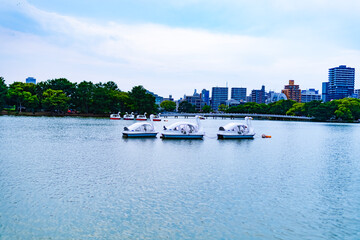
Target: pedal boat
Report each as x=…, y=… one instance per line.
x=183, y=130
x=237, y=130
x=140, y=130
x=115, y=116
x=157, y=118
x=129, y=116
x=141, y=117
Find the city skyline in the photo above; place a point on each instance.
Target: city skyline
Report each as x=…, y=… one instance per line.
x=185, y=46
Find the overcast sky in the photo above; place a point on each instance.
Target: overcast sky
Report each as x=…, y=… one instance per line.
x=175, y=46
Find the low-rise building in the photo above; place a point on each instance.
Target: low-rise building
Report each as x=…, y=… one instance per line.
x=310, y=95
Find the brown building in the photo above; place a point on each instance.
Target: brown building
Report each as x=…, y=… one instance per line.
x=292, y=91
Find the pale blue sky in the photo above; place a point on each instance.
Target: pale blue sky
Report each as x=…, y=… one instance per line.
x=172, y=47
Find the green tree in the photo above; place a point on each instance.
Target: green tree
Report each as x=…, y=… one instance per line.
x=222, y=108
x=123, y=101
x=168, y=106
x=298, y=109
x=101, y=99
x=280, y=107
x=141, y=101
x=18, y=96
x=83, y=97
x=55, y=100
x=348, y=109
x=206, y=109
x=3, y=92
x=186, y=107
x=63, y=84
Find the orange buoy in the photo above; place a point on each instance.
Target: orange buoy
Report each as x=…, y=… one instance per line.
x=265, y=136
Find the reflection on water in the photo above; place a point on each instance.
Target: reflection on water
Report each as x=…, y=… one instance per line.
x=77, y=178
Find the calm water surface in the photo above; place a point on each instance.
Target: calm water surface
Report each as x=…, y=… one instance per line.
x=77, y=178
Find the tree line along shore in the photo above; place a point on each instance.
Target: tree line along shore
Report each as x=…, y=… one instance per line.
x=62, y=97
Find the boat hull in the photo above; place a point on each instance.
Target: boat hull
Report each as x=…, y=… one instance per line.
x=156, y=120
x=141, y=119
x=128, y=119
x=181, y=136
x=115, y=118
x=139, y=135
x=234, y=136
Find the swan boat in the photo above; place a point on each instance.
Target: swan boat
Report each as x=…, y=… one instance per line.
x=237, y=130
x=115, y=116
x=157, y=118
x=129, y=116
x=183, y=130
x=140, y=129
x=141, y=117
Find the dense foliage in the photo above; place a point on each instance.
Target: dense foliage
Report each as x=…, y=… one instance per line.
x=61, y=95
x=168, y=106
x=347, y=109
x=3, y=92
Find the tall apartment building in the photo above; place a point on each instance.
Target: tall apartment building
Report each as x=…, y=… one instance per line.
x=238, y=94
x=310, y=95
x=205, y=97
x=325, y=92
x=341, y=82
x=292, y=91
x=258, y=96
x=219, y=96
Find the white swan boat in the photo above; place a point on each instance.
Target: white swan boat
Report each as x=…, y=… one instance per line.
x=157, y=118
x=184, y=130
x=140, y=129
x=141, y=117
x=115, y=116
x=237, y=130
x=129, y=116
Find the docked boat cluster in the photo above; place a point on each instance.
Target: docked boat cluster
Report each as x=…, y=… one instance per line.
x=186, y=130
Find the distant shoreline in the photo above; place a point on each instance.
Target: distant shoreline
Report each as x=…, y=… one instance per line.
x=51, y=114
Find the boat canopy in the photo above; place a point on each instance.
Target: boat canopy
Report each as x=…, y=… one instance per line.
x=183, y=126
x=236, y=127
x=140, y=127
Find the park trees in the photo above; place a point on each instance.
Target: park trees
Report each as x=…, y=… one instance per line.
x=186, y=107
x=3, y=92
x=141, y=101
x=168, y=106
x=55, y=100
x=22, y=95
x=206, y=109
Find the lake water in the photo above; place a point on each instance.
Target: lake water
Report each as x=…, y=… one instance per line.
x=77, y=178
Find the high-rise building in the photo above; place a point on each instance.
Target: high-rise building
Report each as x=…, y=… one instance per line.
x=325, y=92
x=219, y=96
x=238, y=94
x=292, y=91
x=310, y=95
x=258, y=96
x=31, y=80
x=357, y=93
x=205, y=97
x=341, y=82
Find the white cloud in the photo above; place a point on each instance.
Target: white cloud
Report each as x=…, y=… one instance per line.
x=164, y=59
